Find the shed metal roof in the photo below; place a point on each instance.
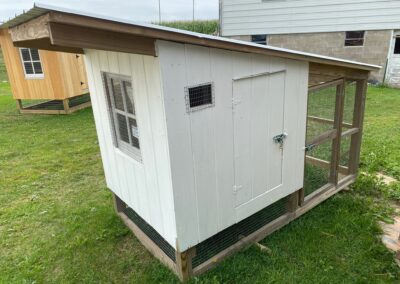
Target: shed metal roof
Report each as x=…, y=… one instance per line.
x=167, y=33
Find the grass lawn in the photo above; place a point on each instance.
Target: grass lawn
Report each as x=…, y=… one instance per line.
x=57, y=223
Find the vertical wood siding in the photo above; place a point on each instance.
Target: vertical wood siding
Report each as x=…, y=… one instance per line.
x=247, y=17
x=201, y=143
x=146, y=187
x=62, y=73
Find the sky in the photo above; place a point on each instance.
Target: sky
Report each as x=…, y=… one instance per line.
x=134, y=10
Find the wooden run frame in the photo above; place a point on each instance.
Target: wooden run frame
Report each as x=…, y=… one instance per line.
x=67, y=109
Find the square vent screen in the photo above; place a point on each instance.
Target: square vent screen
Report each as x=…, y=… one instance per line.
x=199, y=97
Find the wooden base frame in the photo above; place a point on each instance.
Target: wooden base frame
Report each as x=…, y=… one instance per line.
x=40, y=108
x=295, y=208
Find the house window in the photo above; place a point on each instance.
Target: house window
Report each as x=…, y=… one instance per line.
x=31, y=62
x=397, y=45
x=354, y=38
x=121, y=105
x=199, y=97
x=260, y=39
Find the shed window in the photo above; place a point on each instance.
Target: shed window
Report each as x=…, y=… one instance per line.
x=354, y=38
x=199, y=97
x=31, y=62
x=260, y=39
x=397, y=45
x=123, y=115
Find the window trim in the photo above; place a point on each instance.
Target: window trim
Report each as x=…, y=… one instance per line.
x=126, y=148
x=360, y=45
x=31, y=76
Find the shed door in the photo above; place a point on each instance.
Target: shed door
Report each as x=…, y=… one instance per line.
x=259, y=112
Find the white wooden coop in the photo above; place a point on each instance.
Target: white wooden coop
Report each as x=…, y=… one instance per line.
x=203, y=139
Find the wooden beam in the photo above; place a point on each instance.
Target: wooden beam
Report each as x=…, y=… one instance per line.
x=358, y=120
x=66, y=105
x=184, y=268
x=326, y=136
x=33, y=29
x=326, y=84
x=83, y=37
x=337, y=71
x=350, y=132
x=325, y=164
x=327, y=120
x=45, y=44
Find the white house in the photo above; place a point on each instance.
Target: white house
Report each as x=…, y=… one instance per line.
x=362, y=30
x=203, y=139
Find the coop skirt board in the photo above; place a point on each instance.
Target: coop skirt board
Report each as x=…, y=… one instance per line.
x=56, y=106
x=212, y=251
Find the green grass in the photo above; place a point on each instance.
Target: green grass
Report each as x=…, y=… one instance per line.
x=3, y=72
x=204, y=27
x=57, y=223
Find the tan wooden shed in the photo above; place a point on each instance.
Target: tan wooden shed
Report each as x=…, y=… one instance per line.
x=42, y=81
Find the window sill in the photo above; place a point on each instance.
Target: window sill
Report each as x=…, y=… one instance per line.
x=34, y=77
x=137, y=160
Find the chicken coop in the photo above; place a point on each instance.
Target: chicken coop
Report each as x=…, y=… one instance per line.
x=46, y=82
x=209, y=144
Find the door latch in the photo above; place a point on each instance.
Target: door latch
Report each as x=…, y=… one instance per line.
x=279, y=139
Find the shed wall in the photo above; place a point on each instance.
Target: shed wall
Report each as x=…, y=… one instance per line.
x=247, y=17
x=62, y=74
x=201, y=144
x=146, y=187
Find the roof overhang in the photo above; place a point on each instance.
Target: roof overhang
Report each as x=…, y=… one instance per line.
x=52, y=28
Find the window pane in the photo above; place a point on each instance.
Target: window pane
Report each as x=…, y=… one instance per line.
x=35, y=54
x=28, y=68
x=260, y=39
x=123, y=128
x=135, y=132
x=397, y=46
x=130, y=104
x=116, y=86
x=25, y=54
x=38, y=68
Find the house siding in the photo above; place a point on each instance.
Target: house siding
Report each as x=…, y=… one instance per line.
x=247, y=17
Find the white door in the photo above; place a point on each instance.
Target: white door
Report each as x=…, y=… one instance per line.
x=393, y=68
x=259, y=115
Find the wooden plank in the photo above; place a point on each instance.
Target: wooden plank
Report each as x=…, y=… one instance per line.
x=79, y=107
x=350, y=132
x=358, y=119
x=83, y=37
x=326, y=120
x=184, y=268
x=338, y=71
x=327, y=135
x=66, y=105
x=148, y=243
x=324, y=85
x=324, y=164
x=34, y=29
x=45, y=44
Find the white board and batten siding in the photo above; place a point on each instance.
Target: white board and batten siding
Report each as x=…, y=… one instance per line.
x=251, y=17
x=224, y=163
x=146, y=187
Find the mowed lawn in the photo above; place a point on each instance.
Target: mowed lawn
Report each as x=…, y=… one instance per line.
x=57, y=223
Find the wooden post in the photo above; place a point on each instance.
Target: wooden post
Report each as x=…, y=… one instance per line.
x=293, y=201
x=66, y=105
x=335, y=159
x=184, y=268
x=19, y=105
x=119, y=205
x=358, y=119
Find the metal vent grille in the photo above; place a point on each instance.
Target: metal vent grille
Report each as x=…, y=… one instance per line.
x=199, y=97
x=151, y=233
x=228, y=237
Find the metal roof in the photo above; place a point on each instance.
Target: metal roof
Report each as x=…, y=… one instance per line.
x=41, y=9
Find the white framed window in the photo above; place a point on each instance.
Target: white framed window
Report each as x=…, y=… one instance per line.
x=260, y=39
x=31, y=63
x=121, y=105
x=354, y=38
